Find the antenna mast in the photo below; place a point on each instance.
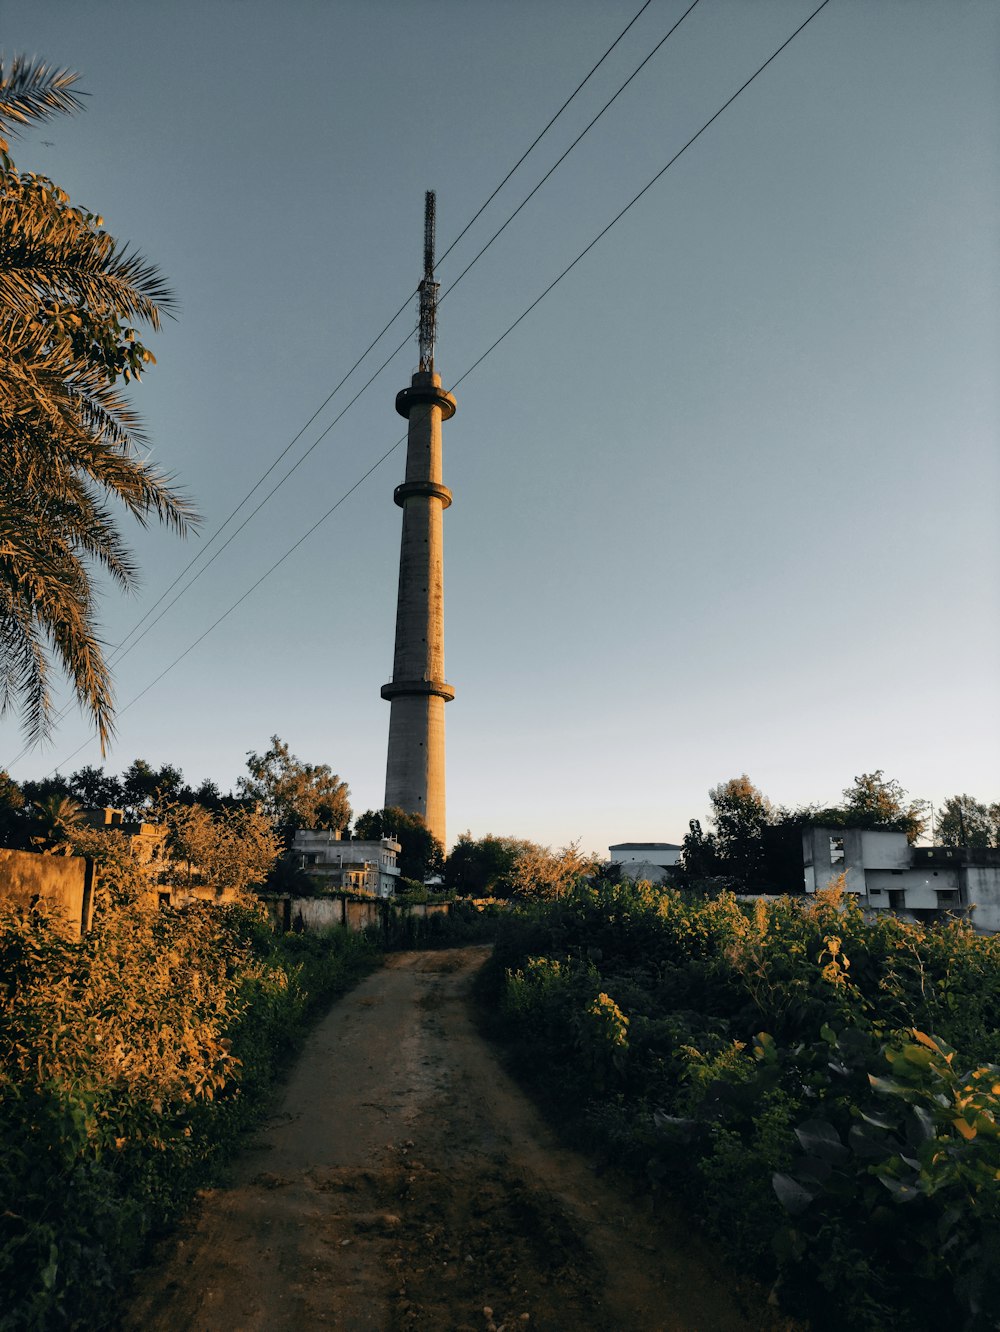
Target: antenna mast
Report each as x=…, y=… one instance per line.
x=428, y=288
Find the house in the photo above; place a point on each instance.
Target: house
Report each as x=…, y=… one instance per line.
x=148, y=841
x=652, y=861
x=349, y=865
x=888, y=874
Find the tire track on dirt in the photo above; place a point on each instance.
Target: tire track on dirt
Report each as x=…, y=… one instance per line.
x=405, y=1182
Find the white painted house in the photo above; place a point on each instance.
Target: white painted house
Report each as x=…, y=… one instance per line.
x=887, y=874
x=652, y=861
x=350, y=864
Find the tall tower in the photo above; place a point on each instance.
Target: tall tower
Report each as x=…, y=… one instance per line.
x=417, y=693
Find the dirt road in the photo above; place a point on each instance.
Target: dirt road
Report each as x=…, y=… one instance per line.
x=406, y=1183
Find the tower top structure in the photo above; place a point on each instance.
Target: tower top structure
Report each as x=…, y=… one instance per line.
x=428, y=288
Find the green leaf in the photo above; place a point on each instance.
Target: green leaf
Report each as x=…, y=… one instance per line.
x=821, y=1139
x=793, y=1197
x=901, y=1191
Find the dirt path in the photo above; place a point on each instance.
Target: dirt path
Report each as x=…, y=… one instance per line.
x=406, y=1183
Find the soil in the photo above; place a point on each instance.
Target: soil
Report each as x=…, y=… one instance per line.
x=405, y=1182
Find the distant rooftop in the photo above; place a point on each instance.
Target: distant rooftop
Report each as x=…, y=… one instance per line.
x=645, y=846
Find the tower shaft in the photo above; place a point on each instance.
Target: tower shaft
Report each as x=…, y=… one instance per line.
x=415, y=767
x=417, y=693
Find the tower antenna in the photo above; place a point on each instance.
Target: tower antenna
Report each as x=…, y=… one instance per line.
x=428, y=288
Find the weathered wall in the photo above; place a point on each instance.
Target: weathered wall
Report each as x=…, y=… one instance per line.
x=63, y=883
x=982, y=886
x=359, y=915
x=317, y=913
x=921, y=887
x=324, y=913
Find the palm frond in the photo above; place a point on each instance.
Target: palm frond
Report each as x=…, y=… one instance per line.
x=32, y=90
x=69, y=297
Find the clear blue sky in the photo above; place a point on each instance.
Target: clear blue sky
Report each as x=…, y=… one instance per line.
x=726, y=501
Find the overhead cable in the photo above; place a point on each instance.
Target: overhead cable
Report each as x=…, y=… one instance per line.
x=475, y=365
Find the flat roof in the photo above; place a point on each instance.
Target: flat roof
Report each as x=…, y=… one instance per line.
x=645, y=846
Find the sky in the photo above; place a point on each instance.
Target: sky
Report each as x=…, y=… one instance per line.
x=726, y=501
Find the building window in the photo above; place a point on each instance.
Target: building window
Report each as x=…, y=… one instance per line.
x=836, y=850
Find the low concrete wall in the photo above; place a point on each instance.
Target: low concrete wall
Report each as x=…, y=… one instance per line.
x=324, y=913
x=64, y=883
x=360, y=915
x=317, y=913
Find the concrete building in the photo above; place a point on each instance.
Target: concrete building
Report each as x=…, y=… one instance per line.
x=417, y=692
x=148, y=841
x=920, y=882
x=653, y=862
x=352, y=865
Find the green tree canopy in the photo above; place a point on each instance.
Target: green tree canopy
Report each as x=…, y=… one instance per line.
x=235, y=849
x=144, y=787
x=71, y=297
x=742, y=841
x=477, y=866
x=877, y=801
x=422, y=855
x=965, y=821
x=96, y=789
x=54, y=821
x=541, y=874
x=295, y=794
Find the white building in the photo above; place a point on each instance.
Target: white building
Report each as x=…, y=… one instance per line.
x=652, y=861
x=887, y=874
x=352, y=864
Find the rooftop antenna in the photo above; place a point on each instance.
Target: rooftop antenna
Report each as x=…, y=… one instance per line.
x=428, y=289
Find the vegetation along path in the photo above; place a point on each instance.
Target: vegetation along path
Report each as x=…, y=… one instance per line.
x=406, y=1182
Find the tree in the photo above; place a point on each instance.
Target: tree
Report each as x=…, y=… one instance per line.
x=144, y=788
x=737, y=845
x=875, y=801
x=235, y=849
x=57, y=784
x=122, y=878
x=477, y=866
x=699, y=853
x=70, y=297
x=421, y=855
x=965, y=821
x=540, y=874
x=96, y=789
x=740, y=813
x=295, y=794
x=12, y=812
x=56, y=819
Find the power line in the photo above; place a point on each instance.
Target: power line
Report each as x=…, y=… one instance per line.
x=534, y=143
x=648, y=186
x=121, y=651
x=399, y=348
x=559, y=161
x=524, y=314
x=371, y=346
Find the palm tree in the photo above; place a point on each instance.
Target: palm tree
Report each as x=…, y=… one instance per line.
x=69, y=297
x=56, y=819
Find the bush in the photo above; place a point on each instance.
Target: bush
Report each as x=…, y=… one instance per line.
x=128, y=1063
x=774, y=1062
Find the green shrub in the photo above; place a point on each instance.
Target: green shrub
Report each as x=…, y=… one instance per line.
x=128, y=1062
x=768, y=1060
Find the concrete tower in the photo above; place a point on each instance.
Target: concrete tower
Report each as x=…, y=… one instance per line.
x=417, y=693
